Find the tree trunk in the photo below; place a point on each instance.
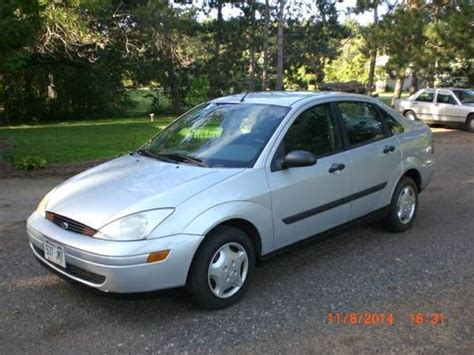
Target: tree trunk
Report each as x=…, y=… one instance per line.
x=251, y=39
x=174, y=83
x=216, y=72
x=279, y=77
x=373, y=57
x=265, y=46
x=413, y=83
x=5, y=116
x=398, y=87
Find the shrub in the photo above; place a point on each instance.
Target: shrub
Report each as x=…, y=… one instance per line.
x=30, y=163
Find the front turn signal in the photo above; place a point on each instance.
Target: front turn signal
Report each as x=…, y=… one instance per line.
x=157, y=256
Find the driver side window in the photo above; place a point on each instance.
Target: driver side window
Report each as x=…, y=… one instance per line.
x=314, y=131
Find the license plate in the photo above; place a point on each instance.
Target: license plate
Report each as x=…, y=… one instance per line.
x=55, y=253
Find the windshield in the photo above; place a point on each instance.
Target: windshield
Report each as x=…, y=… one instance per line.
x=465, y=96
x=218, y=135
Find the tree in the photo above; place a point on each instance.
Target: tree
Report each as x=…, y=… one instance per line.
x=266, y=45
x=351, y=62
x=405, y=50
x=311, y=44
x=450, y=34
x=19, y=21
x=281, y=24
x=370, y=5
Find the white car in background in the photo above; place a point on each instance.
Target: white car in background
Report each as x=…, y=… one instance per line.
x=443, y=106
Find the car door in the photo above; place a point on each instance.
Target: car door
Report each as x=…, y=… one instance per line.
x=423, y=104
x=375, y=156
x=447, y=107
x=309, y=200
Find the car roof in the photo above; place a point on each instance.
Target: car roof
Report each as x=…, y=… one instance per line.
x=281, y=98
x=448, y=88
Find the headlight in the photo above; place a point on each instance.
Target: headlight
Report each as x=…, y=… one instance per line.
x=135, y=226
x=41, y=209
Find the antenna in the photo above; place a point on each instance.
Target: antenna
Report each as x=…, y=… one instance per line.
x=243, y=97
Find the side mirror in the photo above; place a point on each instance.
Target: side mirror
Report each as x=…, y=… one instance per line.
x=298, y=158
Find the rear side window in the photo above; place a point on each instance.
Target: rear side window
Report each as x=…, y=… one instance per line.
x=363, y=124
x=446, y=99
x=425, y=97
x=393, y=125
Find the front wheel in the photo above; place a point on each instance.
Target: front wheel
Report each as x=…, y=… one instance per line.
x=222, y=268
x=403, y=206
x=470, y=123
x=410, y=115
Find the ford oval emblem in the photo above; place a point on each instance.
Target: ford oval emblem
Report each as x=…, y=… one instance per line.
x=64, y=225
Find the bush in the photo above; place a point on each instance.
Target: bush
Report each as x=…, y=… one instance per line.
x=30, y=163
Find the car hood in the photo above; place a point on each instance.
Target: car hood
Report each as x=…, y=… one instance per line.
x=130, y=184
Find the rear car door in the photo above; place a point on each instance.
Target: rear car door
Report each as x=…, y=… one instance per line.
x=309, y=200
x=375, y=155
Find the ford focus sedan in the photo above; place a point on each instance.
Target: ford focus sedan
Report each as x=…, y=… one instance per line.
x=227, y=185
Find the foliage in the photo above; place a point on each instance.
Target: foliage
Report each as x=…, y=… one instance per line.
x=70, y=59
x=451, y=44
x=30, y=163
x=351, y=63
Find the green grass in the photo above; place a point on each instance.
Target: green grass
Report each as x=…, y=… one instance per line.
x=142, y=102
x=386, y=97
x=79, y=141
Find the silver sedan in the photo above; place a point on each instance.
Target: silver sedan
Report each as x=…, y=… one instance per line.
x=229, y=184
x=442, y=106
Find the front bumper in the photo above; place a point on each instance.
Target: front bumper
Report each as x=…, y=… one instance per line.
x=119, y=267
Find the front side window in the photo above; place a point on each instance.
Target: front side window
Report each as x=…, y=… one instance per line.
x=363, y=124
x=446, y=99
x=218, y=135
x=425, y=97
x=314, y=131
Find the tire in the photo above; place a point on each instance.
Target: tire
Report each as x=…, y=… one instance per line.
x=212, y=281
x=410, y=115
x=400, y=216
x=470, y=123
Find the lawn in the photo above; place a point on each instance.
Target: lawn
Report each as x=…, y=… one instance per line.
x=386, y=97
x=78, y=141
x=81, y=140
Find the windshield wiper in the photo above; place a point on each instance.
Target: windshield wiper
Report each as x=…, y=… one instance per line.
x=150, y=154
x=183, y=158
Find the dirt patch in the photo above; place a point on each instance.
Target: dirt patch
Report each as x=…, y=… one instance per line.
x=8, y=171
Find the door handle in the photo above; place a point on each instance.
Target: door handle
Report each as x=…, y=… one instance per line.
x=388, y=149
x=336, y=167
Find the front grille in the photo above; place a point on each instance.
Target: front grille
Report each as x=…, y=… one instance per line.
x=76, y=271
x=70, y=225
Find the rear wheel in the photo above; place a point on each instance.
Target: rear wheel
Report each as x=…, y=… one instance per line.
x=470, y=123
x=410, y=115
x=403, y=206
x=222, y=268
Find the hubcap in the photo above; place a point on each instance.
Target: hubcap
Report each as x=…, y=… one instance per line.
x=410, y=116
x=406, y=204
x=471, y=124
x=228, y=270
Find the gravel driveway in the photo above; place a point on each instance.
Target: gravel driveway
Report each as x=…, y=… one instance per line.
x=428, y=270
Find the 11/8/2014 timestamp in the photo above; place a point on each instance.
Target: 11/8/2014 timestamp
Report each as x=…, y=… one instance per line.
x=383, y=318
